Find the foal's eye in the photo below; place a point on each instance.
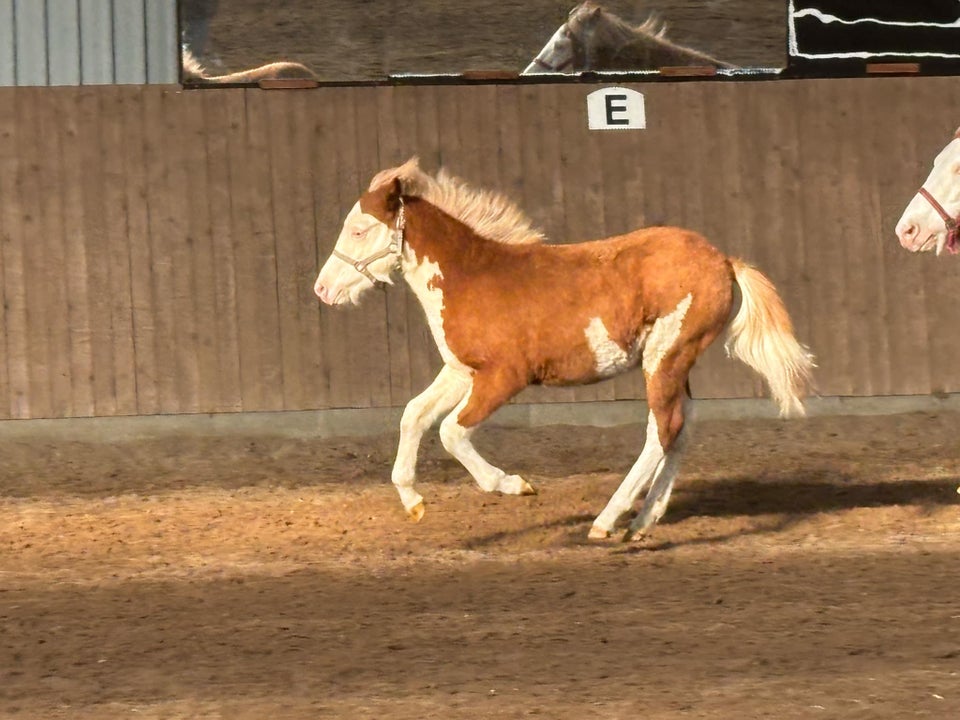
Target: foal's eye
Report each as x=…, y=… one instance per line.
x=359, y=232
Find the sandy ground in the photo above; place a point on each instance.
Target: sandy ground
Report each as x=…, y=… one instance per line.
x=805, y=569
x=351, y=40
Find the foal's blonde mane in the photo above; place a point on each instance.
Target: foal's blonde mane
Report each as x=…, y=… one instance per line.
x=489, y=214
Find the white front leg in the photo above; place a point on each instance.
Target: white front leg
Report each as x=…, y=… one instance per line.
x=447, y=389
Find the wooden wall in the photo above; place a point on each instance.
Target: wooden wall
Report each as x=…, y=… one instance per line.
x=158, y=247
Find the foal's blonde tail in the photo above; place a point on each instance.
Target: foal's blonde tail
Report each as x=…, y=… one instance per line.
x=761, y=335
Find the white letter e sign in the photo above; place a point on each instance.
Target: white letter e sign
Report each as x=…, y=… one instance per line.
x=615, y=108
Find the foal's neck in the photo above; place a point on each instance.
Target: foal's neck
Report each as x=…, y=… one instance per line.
x=433, y=235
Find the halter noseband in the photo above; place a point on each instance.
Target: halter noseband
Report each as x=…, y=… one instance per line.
x=394, y=247
x=952, y=223
x=576, y=52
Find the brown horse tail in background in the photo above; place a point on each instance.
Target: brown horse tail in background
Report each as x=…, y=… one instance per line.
x=194, y=70
x=761, y=335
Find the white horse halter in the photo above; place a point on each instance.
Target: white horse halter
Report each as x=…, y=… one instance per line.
x=394, y=247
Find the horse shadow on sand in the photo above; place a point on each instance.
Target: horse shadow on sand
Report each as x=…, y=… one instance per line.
x=776, y=504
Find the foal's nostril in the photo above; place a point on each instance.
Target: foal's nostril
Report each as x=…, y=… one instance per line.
x=907, y=232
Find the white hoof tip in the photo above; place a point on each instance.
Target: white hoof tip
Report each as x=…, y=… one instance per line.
x=416, y=512
x=515, y=485
x=598, y=533
x=634, y=535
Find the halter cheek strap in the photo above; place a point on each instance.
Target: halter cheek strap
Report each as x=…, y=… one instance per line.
x=952, y=223
x=394, y=247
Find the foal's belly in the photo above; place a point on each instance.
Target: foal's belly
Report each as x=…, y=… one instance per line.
x=596, y=358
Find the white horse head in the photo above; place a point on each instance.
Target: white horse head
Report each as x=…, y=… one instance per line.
x=929, y=221
x=563, y=51
x=368, y=250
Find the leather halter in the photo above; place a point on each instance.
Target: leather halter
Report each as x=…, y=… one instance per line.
x=952, y=223
x=576, y=54
x=394, y=247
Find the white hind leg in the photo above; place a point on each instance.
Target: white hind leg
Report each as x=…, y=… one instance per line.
x=447, y=389
x=486, y=394
x=666, y=371
x=642, y=472
x=655, y=504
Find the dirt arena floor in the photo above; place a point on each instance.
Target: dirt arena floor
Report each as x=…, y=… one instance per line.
x=806, y=569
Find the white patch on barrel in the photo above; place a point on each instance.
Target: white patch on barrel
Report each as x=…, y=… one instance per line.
x=663, y=335
x=609, y=358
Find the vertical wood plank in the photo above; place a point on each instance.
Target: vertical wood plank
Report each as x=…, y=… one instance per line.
x=29, y=223
x=199, y=354
x=136, y=188
x=173, y=305
x=293, y=220
x=12, y=367
x=857, y=230
x=328, y=218
x=825, y=259
x=91, y=368
x=390, y=131
x=371, y=362
x=345, y=327
x=49, y=267
x=257, y=264
x=421, y=103
x=224, y=323
x=115, y=249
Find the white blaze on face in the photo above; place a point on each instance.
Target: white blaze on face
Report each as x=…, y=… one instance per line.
x=921, y=228
x=663, y=335
x=557, y=53
x=609, y=358
x=362, y=236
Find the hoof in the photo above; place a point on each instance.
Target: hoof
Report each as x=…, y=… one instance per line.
x=416, y=512
x=597, y=533
x=634, y=535
x=515, y=485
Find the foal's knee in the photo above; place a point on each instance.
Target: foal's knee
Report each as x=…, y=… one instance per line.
x=412, y=420
x=451, y=433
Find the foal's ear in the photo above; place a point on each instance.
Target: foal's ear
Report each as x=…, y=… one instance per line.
x=393, y=195
x=589, y=9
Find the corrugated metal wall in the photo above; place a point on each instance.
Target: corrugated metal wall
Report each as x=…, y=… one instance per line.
x=88, y=42
x=158, y=247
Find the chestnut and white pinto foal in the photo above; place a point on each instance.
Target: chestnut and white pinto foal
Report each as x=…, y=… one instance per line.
x=507, y=311
x=930, y=220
